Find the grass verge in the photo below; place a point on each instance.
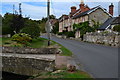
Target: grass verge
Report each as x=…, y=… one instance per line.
x=63, y=75
x=36, y=43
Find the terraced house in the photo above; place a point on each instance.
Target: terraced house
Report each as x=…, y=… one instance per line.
x=84, y=13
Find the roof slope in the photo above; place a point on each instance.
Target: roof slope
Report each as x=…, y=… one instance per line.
x=106, y=24
x=90, y=11
x=116, y=21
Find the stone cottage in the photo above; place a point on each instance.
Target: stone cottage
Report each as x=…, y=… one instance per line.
x=84, y=13
x=66, y=21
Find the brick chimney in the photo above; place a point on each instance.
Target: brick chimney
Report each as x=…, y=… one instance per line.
x=111, y=9
x=73, y=9
x=82, y=6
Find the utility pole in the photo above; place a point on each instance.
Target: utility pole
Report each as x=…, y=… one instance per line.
x=48, y=15
x=13, y=9
x=20, y=11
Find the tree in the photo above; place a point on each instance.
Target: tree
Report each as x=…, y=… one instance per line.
x=17, y=23
x=32, y=28
x=12, y=23
x=56, y=28
x=42, y=27
x=6, y=23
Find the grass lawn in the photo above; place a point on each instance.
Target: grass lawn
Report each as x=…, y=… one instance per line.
x=36, y=43
x=64, y=75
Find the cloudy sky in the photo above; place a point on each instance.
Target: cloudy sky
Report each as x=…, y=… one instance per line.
x=37, y=9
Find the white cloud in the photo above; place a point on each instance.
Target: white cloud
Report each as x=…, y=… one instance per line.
x=37, y=12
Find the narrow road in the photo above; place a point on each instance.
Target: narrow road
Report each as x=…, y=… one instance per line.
x=98, y=60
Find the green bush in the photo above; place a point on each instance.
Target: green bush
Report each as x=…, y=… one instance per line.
x=70, y=34
x=116, y=28
x=60, y=33
x=22, y=38
x=34, y=32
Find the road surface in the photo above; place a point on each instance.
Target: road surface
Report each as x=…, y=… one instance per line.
x=98, y=60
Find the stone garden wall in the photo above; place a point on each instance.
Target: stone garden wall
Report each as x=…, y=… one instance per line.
x=28, y=61
x=112, y=39
x=26, y=66
x=29, y=50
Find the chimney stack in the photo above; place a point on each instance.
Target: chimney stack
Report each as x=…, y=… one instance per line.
x=73, y=9
x=82, y=5
x=111, y=9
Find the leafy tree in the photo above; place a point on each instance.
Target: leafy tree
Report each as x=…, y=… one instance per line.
x=12, y=23
x=6, y=30
x=17, y=23
x=32, y=28
x=56, y=28
x=6, y=22
x=42, y=27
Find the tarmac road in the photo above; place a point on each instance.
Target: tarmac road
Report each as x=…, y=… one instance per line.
x=98, y=60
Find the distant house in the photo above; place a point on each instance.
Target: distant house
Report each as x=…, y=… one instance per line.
x=110, y=23
x=66, y=21
x=84, y=13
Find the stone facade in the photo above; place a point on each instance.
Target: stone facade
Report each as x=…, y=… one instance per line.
x=66, y=21
x=80, y=20
x=111, y=39
x=84, y=13
x=98, y=16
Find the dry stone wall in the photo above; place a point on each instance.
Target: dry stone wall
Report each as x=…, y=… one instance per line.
x=29, y=50
x=24, y=61
x=26, y=66
x=111, y=39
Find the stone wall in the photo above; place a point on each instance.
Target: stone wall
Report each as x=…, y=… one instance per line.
x=28, y=61
x=111, y=39
x=26, y=66
x=29, y=50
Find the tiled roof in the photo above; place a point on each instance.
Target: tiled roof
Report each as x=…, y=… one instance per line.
x=89, y=11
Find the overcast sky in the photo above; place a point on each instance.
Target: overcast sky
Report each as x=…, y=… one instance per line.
x=37, y=9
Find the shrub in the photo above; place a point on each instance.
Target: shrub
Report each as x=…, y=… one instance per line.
x=22, y=38
x=34, y=32
x=70, y=34
x=116, y=28
x=60, y=33
x=16, y=45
